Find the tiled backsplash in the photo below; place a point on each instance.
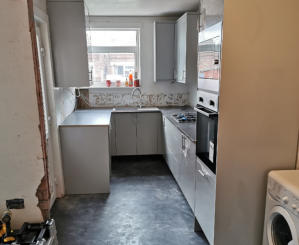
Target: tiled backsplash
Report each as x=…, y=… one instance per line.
x=107, y=99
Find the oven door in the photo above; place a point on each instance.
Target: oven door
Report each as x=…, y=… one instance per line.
x=206, y=136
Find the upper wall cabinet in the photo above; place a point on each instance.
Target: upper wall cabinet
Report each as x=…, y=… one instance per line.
x=69, y=47
x=164, y=57
x=186, y=38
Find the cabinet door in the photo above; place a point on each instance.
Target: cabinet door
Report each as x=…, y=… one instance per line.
x=68, y=36
x=148, y=133
x=180, y=41
x=187, y=169
x=164, y=45
x=205, y=199
x=125, y=134
x=112, y=136
x=173, y=144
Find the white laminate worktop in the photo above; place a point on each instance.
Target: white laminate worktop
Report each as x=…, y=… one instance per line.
x=88, y=118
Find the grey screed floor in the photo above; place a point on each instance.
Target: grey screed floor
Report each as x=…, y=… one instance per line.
x=145, y=207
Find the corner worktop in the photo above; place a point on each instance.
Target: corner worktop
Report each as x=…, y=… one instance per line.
x=88, y=118
x=102, y=117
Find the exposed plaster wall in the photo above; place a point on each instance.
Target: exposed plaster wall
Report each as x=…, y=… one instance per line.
x=160, y=93
x=22, y=167
x=258, y=112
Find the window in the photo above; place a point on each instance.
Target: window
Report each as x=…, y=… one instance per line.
x=112, y=54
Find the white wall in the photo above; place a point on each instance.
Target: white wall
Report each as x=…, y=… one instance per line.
x=22, y=167
x=258, y=114
x=65, y=103
x=162, y=93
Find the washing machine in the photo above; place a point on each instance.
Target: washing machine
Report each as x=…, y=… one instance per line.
x=281, y=225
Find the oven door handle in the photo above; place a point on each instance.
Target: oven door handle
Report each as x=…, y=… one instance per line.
x=201, y=173
x=207, y=114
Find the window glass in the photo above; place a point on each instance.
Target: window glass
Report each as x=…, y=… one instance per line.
x=112, y=54
x=113, y=38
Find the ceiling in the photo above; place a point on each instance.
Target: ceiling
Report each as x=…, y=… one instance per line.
x=141, y=7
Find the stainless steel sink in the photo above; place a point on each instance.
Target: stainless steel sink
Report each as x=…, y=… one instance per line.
x=135, y=109
x=148, y=109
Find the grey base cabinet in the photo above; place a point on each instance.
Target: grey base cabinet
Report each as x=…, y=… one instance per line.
x=125, y=133
x=136, y=134
x=86, y=159
x=180, y=157
x=205, y=199
x=149, y=133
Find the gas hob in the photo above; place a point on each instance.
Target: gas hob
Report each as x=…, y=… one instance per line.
x=189, y=117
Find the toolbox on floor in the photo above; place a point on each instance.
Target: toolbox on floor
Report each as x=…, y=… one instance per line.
x=37, y=234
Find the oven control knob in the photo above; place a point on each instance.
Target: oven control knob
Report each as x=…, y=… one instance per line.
x=294, y=206
x=297, y=210
x=285, y=200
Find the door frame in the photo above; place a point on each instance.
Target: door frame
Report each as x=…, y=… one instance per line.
x=42, y=19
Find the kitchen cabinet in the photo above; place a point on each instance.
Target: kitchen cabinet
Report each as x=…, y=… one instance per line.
x=187, y=170
x=69, y=46
x=149, y=132
x=112, y=136
x=186, y=42
x=125, y=133
x=180, y=155
x=86, y=159
x=205, y=198
x=173, y=143
x=164, y=46
x=136, y=133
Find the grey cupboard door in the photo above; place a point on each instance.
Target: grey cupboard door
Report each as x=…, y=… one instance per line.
x=205, y=199
x=125, y=133
x=148, y=133
x=112, y=136
x=68, y=39
x=164, y=51
x=173, y=144
x=180, y=47
x=187, y=171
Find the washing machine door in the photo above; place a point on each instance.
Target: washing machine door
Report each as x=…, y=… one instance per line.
x=281, y=229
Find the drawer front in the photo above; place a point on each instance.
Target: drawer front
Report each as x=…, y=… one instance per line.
x=205, y=199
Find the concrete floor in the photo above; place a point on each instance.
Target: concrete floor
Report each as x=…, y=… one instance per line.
x=145, y=207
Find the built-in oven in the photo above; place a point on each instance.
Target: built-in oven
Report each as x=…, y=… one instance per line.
x=207, y=129
x=209, y=67
x=209, y=58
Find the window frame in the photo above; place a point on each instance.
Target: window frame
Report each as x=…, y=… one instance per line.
x=117, y=49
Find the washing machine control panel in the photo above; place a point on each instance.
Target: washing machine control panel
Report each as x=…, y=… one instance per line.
x=286, y=198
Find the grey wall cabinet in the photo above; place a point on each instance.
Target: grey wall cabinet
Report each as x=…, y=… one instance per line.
x=180, y=156
x=164, y=46
x=186, y=42
x=205, y=199
x=69, y=46
x=86, y=159
x=125, y=133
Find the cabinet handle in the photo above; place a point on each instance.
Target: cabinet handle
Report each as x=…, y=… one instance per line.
x=183, y=142
x=201, y=173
